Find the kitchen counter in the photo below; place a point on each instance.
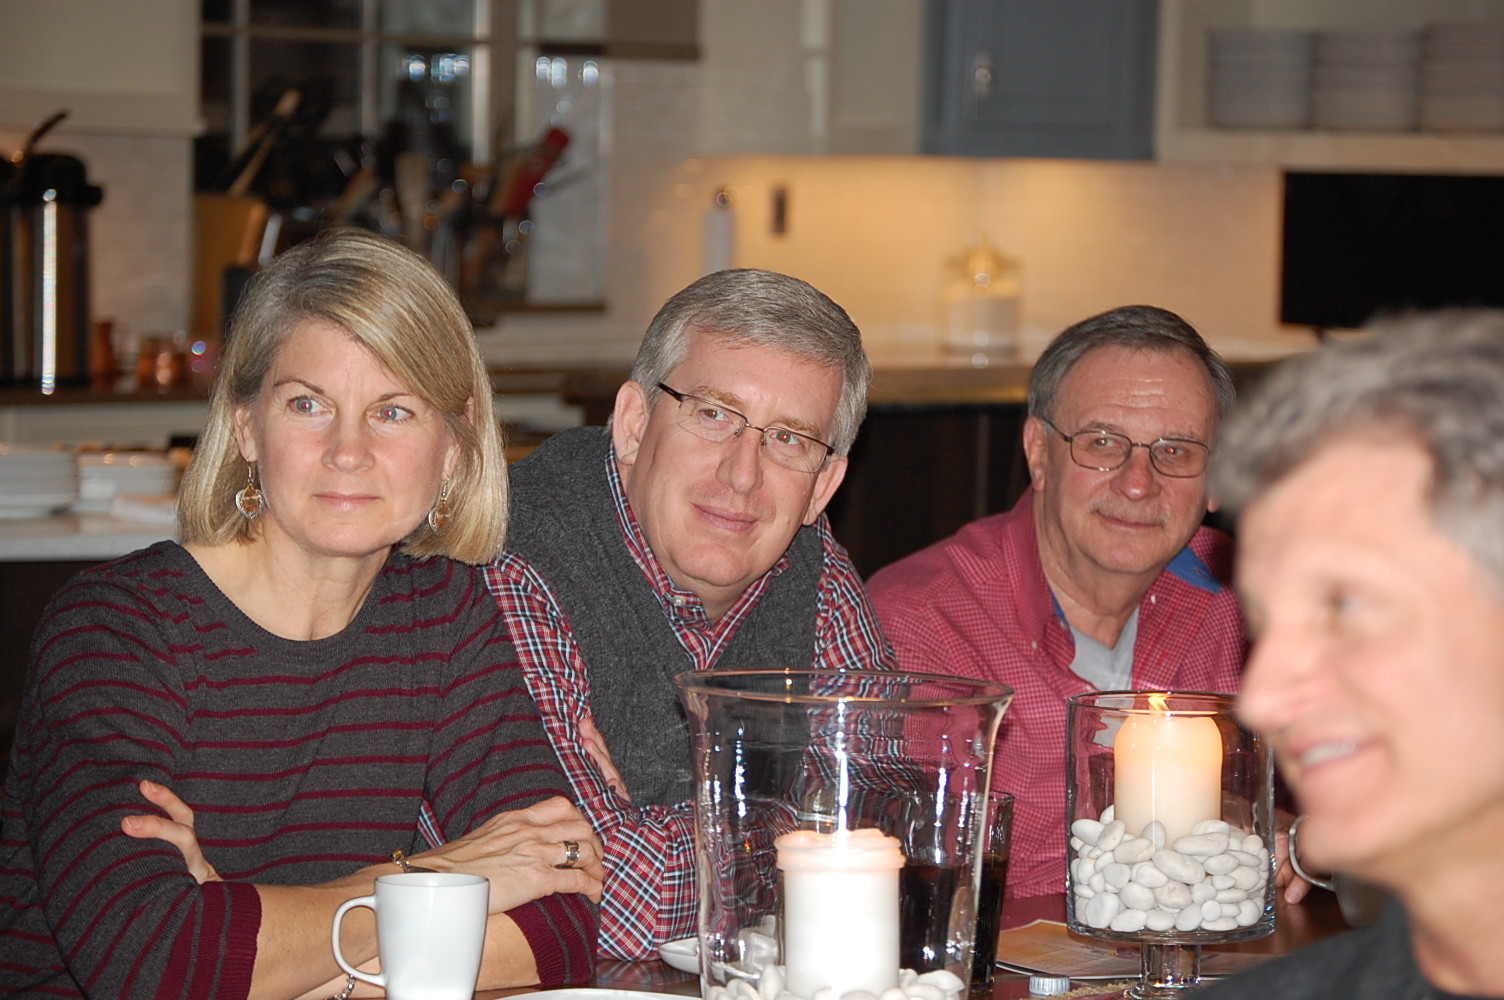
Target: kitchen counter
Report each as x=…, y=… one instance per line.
x=74, y=538
x=527, y=400
x=920, y=381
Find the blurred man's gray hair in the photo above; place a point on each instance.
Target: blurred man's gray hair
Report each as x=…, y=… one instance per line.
x=1435, y=379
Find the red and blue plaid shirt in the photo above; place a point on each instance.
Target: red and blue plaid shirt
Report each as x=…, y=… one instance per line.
x=650, y=864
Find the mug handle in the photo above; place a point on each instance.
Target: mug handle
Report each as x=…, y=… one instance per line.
x=378, y=979
x=1324, y=883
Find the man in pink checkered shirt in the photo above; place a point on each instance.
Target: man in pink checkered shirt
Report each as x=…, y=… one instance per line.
x=1102, y=576
x=689, y=534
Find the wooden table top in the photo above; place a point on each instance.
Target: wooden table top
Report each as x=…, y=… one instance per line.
x=1294, y=928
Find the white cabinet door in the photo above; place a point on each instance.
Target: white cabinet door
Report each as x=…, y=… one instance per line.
x=810, y=76
x=124, y=67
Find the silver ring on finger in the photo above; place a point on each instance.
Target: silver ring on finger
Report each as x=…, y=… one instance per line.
x=571, y=854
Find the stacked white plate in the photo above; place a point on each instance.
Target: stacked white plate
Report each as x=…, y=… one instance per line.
x=104, y=475
x=1368, y=79
x=1260, y=78
x=35, y=481
x=1462, y=78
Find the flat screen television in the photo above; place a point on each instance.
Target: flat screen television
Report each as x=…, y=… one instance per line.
x=1359, y=245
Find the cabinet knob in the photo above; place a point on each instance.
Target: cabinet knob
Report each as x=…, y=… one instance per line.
x=981, y=75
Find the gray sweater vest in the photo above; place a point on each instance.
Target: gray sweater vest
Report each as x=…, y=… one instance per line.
x=563, y=521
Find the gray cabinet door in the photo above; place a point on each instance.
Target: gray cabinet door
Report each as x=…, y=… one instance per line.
x=1071, y=78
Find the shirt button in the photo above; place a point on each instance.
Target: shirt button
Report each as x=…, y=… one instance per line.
x=1034, y=644
x=680, y=600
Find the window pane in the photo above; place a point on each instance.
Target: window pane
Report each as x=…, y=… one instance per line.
x=326, y=74
x=430, y=93
x=211, y=151
x=312, y=156
x=214, y=11
x=214, y=84
x=430, y=17
x=565, y=261
x=573, y=21
x=307, y=13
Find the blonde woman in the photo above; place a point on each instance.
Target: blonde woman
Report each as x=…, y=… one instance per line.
x=312, y=678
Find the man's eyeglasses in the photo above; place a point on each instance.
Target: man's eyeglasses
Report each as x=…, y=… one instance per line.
x=1103, y=451
x=714, y=422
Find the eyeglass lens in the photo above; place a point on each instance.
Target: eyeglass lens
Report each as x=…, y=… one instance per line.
x=714, y=422
x=1105, y=451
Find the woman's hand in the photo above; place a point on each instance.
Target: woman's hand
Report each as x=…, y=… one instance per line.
x=176, y=829
x=595, y=745
x=523, y=853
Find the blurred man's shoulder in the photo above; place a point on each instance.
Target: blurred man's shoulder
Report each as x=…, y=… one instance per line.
x=1375, y=963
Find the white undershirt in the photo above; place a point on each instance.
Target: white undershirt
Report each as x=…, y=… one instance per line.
x=1106, y=669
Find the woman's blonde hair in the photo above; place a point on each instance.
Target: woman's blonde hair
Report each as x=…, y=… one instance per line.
x=402, y=311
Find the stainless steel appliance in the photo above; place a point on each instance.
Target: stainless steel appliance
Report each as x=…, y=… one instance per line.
x=44, y=268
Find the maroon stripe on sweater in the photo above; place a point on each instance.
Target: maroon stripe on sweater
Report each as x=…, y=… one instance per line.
x=91, y=929
x=353, y=760
x=554, y=919
x=511, y=801
x=180, y=964
x=120, y=683
x=392, y=727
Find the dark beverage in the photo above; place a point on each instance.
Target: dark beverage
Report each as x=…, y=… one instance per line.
x=926, y=893
x=989, y=915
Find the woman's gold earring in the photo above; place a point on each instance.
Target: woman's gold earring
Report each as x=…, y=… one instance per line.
x=440, y=513
x=249, y=500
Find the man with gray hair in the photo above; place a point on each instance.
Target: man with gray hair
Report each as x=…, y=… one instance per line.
x=689, y=534
x=1368, y=479
x=1101, y=576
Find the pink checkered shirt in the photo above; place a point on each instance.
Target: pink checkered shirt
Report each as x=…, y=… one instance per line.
x=977, y=604
x=650, y=865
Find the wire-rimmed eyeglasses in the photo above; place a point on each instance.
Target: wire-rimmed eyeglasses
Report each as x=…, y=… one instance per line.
x=1103, y=451
x=719, y=423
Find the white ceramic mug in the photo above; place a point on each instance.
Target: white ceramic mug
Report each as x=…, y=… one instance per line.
x=430, y=927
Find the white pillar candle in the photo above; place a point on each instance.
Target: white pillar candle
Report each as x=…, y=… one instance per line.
x=840, y=910
x=1168, y=768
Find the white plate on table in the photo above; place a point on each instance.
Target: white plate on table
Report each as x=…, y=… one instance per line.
x=34, y=504
x=683, y=954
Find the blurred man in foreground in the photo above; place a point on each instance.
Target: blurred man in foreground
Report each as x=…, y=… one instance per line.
x=1369, y=480
x=1101, y=576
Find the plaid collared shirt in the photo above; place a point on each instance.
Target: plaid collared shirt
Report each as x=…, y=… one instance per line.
x=650, y=884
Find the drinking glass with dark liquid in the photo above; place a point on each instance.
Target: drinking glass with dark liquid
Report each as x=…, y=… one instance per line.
x=926, y=899
x=998, y=833
x=928, y=896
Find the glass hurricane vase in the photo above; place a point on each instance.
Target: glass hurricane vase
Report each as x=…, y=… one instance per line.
x=840, y=822
x=1170, y=804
